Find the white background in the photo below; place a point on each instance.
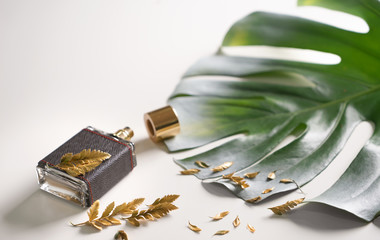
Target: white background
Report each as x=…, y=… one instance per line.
x=68, y=64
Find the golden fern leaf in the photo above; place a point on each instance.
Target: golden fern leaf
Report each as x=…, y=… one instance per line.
x=108, y=210
x=105, y=219
x=93, y=211
x=118, y=209
x=282, y=209
x=153, y=213
x=167, y=198
x=66, y=158
x=131, y=206
x=82, y=162
x=161, y=208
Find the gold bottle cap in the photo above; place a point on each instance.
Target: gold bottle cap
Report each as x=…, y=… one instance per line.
x=162, y=123
x=125, y=133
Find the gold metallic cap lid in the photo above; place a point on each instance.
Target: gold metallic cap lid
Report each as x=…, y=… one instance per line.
x=162, y=123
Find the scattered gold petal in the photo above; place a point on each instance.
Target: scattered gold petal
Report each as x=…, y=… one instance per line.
x=250, y=228
x=272, y=175
x=220, y=215
x=222, y=167
x=282, y=209
x=221, y=232
x=202, y=164
x=190, y=171
x=236, y=179
x=286, y=180
x=121, y=235
x=268, y=190
x=251, y=175
x=254, y=200
x=236, y=222
x=194, y=228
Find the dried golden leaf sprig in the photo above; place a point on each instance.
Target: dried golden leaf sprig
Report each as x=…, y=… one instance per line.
x=282, y=209
x=83, y=162
x=160, y=208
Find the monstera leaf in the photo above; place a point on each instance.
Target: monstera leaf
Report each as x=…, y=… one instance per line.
x=321, y=113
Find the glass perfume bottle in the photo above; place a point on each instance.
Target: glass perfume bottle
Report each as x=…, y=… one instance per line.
x=87, y=187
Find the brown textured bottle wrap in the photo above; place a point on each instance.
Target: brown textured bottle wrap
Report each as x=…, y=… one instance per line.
x=109, y=172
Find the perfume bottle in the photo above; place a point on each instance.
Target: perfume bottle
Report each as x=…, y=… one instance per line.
x=86, y=187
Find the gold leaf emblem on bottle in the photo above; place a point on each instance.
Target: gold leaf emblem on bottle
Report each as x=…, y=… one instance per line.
x=83, y=162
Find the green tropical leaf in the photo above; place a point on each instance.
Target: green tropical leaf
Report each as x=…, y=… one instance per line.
x=321, y=113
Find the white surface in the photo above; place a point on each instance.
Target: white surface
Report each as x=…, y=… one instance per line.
x=68, y=64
